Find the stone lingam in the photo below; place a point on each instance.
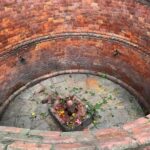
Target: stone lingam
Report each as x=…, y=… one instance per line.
x=69, y=112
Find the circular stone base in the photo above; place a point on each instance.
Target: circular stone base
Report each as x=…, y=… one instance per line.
x=27, y=111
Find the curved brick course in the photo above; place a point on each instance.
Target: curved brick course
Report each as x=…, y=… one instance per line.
x=75, y=51
x=133, y=135
x=97, y=27
x=43, y=36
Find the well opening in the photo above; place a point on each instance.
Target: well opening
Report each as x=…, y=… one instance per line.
x=84, y=54
x=122, y=103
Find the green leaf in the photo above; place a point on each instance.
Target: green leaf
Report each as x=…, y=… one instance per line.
x=97, y=106
x=104, y=75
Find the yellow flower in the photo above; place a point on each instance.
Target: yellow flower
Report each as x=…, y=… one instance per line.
x=33, y=114
x=61, y=112
x=73, y=115
x=94, y=121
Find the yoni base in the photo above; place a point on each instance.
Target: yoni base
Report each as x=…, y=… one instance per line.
x=87, y=121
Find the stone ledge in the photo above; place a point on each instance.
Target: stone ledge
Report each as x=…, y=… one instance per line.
x=134, y=135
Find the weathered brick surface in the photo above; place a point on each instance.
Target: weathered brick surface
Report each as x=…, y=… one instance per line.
x=136, y=123
x=49, y=134
x=120, y=25
x=20, y=20
x=140, y=130
x=92, y=32
x=84, y=137
x=59, y=140
x=28, y=146
x=114, y=139
x=75, y=146
x=75, y=53
x=136, y=137
x=10, y=129
x=142, y=133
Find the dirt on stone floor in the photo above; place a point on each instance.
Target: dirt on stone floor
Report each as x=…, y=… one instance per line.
x=27, y=111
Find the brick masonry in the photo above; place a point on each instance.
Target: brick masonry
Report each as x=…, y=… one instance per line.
x=75, y=52
x=80, y=34
x=43, y=36
x=131, y=136
x=21, y=20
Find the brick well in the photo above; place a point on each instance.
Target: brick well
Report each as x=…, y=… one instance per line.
x=40, y=37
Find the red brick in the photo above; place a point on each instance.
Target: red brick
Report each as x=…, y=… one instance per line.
x=135, y=123
x=84, y=136
x=49, y=134
x=27, y=20
x=142, y=133
x=28, y=146
x=20, y=21
x=53, y=137
x=74, y=146
x=114, y=139
x=58, y=140
x=10, y=129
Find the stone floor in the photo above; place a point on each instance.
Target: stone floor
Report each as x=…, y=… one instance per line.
x=27, y=111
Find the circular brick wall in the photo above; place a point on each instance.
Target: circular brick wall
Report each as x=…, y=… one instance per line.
x=42, y=36
x=74, y=35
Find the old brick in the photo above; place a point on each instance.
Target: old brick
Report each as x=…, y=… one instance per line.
x=47, y=26
x=10, y=129
x=74, y=146
x=50, y=134
x=60, y=20
x=94, y=6
x=28, y=146
x=27, y=20
x=14, y=39
x=114, y=138
x=47, y=137
x=142, y=133
x=49, y=14
x=80, y=20
x=6, y=22
x=135, y=123
x=85, y=136
x=58, y=140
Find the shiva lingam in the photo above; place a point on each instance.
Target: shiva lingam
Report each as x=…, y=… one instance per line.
x=69, y=112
